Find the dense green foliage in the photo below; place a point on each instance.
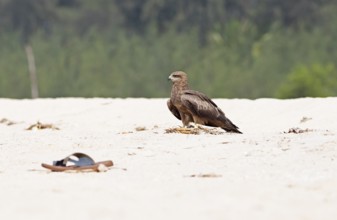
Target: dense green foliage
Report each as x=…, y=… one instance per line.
x=229, y=48
x=316, y=80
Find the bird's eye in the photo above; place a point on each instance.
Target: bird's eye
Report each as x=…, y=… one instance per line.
x=176, y=75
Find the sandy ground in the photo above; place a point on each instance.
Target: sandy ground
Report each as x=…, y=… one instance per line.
x=265, y=173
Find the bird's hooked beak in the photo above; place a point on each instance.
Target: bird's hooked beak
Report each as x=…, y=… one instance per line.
x=169, y=78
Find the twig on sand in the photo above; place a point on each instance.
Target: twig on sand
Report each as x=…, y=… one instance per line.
x=40, y=126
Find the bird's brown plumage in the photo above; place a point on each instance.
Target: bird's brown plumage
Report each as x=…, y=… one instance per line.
x=193, y=106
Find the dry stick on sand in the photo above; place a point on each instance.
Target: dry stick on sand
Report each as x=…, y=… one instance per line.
x=40, y=126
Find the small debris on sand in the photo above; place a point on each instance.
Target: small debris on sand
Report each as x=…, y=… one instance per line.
x=205, y=175
x=213, y=131
x=126, y=132
x=41, y=126
x=305, y=119
x=297, y=131
x=182, y=130
x=195, y=131
x=131, y=154
x=7, y=122
x=140, y=128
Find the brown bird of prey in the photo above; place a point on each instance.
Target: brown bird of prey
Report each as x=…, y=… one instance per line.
x=193, y=106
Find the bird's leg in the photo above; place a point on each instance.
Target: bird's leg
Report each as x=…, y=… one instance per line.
x=185, y=119
x=195, y=126
x=197, y=123
x=187, y=127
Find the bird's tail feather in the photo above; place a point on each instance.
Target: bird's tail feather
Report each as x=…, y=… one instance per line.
x=230, y=127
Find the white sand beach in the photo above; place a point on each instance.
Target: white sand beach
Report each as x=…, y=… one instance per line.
x=265, y=173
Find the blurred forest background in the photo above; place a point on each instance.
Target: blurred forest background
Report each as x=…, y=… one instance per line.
x=127, y=48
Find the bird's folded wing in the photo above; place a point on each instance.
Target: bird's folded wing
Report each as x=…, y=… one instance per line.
x=173, y=109
x=200, y=105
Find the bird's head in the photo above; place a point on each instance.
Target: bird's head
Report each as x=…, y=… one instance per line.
x=178, y=76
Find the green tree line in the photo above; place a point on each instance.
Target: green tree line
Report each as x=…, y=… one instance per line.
x=113, y=48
